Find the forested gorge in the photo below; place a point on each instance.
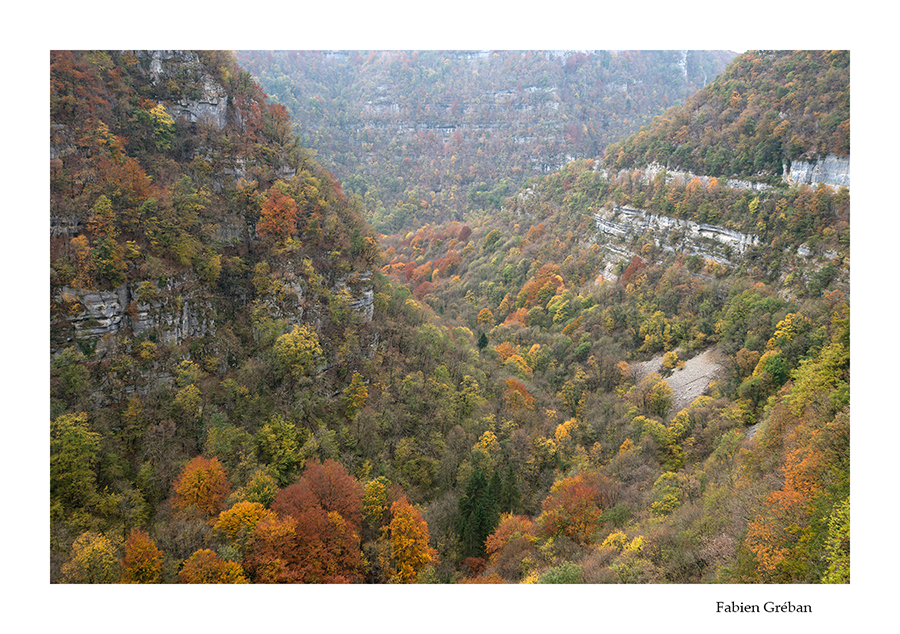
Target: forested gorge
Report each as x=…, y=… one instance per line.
x=424, y=136
x=480, y=394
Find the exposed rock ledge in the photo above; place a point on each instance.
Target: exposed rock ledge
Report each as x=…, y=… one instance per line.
x=833, y=171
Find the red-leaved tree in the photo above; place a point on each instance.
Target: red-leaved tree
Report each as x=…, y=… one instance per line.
x=325, y=485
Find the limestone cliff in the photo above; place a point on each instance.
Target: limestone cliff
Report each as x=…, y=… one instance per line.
x=201, y=98
x=833, y=171
x=617, y=225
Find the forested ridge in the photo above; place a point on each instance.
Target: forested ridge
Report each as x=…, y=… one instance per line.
x=249, y=384
x=770, y=108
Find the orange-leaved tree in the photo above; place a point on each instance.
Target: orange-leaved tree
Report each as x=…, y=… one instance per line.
x=575, y=505
x=142, y=562
x=203, y=484
x=326, y=485
x=316, y=536
x=205, y=566
x=313, y=546
x=278, y=215
x=510, y=544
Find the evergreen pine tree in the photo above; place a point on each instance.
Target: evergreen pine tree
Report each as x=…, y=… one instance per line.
x=509, y=497
x=478, y=513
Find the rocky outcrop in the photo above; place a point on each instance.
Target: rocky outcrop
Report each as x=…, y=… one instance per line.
x=181, y=311
x=710, y=241
x=833, y=171
x=103, y=314
x=175, y=312
x=362, y=293
x=684, y=177
x=207, y=101
x=62, y=142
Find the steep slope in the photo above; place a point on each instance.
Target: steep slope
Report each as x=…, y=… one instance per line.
x=198, y=254
x=164, y=171
x=423, y=135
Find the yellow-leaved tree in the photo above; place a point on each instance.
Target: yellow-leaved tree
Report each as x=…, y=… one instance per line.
x=297, y=352
x=355, y=395
x=238, y=523
x=205, y=566
x=95, y=560
x=410, y=549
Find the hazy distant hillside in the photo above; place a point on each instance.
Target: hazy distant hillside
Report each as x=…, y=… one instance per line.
x=768, y=107
x=423, y=135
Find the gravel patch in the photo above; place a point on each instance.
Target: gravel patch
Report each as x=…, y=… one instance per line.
x=690, y=381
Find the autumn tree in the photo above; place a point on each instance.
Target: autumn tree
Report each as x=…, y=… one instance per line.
x=355, y=395
x=238, y=523
x=95, y=559
x=659, y=399
x=326, y=486
x=311, y=546
x=409, y=539
x=375, y=500
x=278, y=447
x=106, y=252
x=261, y=488
x=516, y=396
x=142, y=562
x=278, y=215
x=575, y=505
x=837, y=545
x=511, y=542
x=572, y=391
x=203, y=484
x=205, y=566
x=297, y=352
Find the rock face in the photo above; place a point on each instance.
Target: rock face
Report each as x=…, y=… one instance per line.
x=363, y=295
x=713, y=242
x=103, y=314
x=208, y=102
x=182, y=310
x=833, y=171
x=178, y=311
x=684, y=177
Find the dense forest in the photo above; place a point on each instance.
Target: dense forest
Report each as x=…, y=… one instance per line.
x=250, y=384
x=423, y=136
